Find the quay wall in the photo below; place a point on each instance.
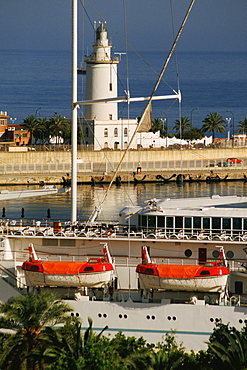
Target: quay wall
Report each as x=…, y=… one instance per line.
x=46, y=167
x=150, y=155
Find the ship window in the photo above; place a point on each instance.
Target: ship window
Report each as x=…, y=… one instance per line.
x=110, y=86
x=238, y=287
x=215, y=254
x=229, y=254
x=215, y=223
x=67, y=242
x=226, y=223
x=161, y=221
x=187, y=223
x=197, y=223
x=34, y=268
x=237, y=223
x=149, y=271
x=125, y=132
x=110, y=117
x=116, y=132
x=245, y=224
x=106, y=132
x=49, y=242
x=88, y=268
x=151, y=221
x=205, y=272
x=169, y=222
x=206, y=223
x=143, y=221
x=179, y=222
x=188, y=253
x=87, y=131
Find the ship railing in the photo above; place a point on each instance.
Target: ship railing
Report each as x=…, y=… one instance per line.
x=49, y=228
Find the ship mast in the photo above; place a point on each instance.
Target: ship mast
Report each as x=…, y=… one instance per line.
x=74, y=115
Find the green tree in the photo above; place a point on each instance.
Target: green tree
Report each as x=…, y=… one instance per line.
x=30, y=123
x=181, y=126
x=71, y=350
x=242, y=127
x=172, y=356
x=159, y=124
x=41, y=132
x=227, y=349
x=30, y=315
x=59, y=127
x=193, y=134
x=213, y=123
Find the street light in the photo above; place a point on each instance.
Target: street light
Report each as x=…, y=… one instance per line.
x=165, y=120
x=233, y=129
x=37, y=111
x=228, y=123
x=13, y=120
x=191, y=115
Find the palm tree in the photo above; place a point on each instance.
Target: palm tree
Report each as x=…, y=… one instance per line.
x=181, y=125
x=159, y=124
x=227, y=348
x=30, y=314
x=242, y=127
x=213, y=123
x=41, y=132
x=59, y=126
x=30, y=123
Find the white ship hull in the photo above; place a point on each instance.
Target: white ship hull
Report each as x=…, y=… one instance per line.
x=193, y=324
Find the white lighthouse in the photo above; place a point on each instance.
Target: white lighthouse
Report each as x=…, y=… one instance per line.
x=101, y=78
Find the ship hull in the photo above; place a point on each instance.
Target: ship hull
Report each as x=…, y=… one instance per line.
x=192, y=324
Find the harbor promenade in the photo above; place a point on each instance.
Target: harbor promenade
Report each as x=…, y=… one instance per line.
x=54, y=167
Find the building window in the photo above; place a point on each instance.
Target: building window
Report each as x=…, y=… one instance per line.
x=125, y=132
x=110, y=86
x=106, y=132
x=106, y=145
x=110, y=117
x=86, y=131
x=2, y=122
x=116, y=132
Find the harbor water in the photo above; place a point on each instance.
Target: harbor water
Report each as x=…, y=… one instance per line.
x=119, y=196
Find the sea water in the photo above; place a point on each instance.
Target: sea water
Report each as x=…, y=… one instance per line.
x=118, y=197
x=39, y=82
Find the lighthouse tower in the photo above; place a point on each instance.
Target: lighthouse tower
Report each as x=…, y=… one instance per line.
x=101, y=78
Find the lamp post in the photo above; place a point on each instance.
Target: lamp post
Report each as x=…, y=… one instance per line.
x=191, y=115
x=13, y=120
x=165, y=120
x=233, y=128
x=37, y=111
x=228, y=123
